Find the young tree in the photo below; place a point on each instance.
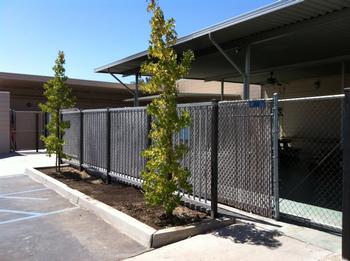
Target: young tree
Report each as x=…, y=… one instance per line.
x=163, y=174
x=58, y=95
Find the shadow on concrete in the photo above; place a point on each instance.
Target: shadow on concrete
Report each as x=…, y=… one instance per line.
x=9, y=155
x=249, y=234
x=232, y=214
x=31, y=152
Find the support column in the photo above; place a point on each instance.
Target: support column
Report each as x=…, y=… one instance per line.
x=346, y=177
x=222, y=90
x=136, y=101
x=214, y=160
x=246, y=86
x=275, y=156
x=342, y=77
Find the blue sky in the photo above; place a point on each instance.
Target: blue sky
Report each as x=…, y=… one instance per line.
x=94, y=32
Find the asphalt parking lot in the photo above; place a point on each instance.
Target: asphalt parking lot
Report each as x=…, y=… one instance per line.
x=38, y=224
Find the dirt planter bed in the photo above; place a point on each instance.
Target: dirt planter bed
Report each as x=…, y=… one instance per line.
x=123, y=207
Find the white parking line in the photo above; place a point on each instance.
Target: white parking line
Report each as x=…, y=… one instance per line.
x=29, y=198
x=19, y=212
x=23, y=192
x=33, y=215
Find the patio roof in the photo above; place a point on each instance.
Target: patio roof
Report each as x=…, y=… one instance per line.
x=293, y=38
x=190, y=95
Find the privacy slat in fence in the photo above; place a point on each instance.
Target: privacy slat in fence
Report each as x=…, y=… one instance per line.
x=129, y=135
x=72, y=136
x=244, y=150
x=197, y=138
x=95, y=140
x=245, y=170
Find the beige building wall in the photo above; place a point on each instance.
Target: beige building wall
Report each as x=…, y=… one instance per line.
x=316, y=86
x=214, y=87
x=316, y=121
x=4, y=122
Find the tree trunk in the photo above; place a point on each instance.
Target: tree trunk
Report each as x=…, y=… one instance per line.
x=56, y=162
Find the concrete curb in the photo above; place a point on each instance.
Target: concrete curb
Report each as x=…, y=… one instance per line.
x=173, y=234
x=128, y=225
x=124, y=223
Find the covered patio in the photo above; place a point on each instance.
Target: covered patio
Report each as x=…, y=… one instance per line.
x=275, y=46
x=296, y=48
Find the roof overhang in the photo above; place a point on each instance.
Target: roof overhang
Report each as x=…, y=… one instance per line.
x=19, y=80
x=190, y=95
x=294, y=38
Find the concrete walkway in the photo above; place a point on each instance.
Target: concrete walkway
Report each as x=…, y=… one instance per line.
x=239, y=242
x=15, y=162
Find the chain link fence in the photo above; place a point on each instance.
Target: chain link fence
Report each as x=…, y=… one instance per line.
x=197, y=137
x=309, y=144
x=245, y=155
x=310, y=151
x=129, y=137
x=244, y=149
x=95, y=139
x=71, y=147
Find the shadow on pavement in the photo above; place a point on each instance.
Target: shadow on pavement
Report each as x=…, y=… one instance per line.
x=31, y=152
x=249, y=234
x=232, y=214
x=9, y=155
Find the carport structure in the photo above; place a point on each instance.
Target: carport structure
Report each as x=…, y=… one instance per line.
x=282, y=42
x=293, y=39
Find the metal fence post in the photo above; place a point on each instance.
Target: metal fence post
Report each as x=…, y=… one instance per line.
x=15, y=129
x=149, y=127
x=37, y=131
x=81, y=141
x=275, y=134
x=60, y=135
x=108, y=146
x=214, y=159
x=346, y=177
x=46, y=117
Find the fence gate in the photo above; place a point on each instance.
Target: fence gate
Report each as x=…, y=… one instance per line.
x=26, y=129
x=311, y=160
x=245, y=156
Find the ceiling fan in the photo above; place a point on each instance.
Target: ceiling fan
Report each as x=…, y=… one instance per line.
x=271, y=80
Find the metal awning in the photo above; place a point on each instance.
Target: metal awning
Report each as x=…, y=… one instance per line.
x=292, y=38
x=190, y=95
